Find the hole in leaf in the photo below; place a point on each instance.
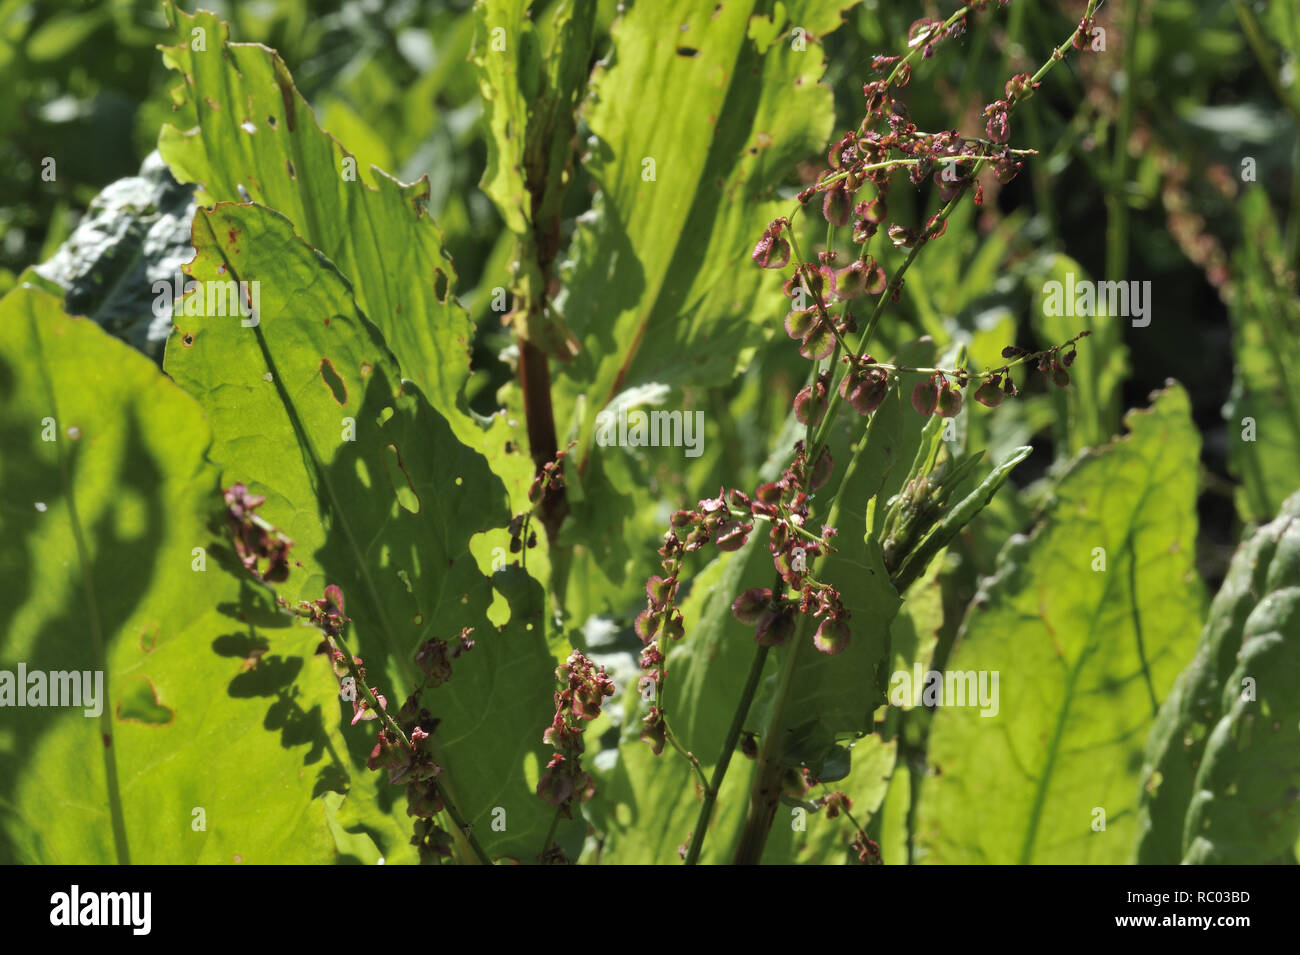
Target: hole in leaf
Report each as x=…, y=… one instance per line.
x=187, y=339
x=270, y=121
x=248, y=126
x=288, y=164
x=440, y=285
x=688, y=51
x=138, y=702
x=335, y=383
x=402, y=487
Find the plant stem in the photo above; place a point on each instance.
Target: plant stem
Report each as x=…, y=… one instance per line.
x=690, y=757
x=724, y=757
x=550, y=834
x=1116, y=198
x=391, y=725
x=766, y=791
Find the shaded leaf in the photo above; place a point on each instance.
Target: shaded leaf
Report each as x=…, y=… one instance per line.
x=1083, y=656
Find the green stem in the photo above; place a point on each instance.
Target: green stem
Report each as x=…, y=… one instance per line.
x=392, y=727
x=690, y=757
x=766, y=791
x=724, y=757
x=1116, y=198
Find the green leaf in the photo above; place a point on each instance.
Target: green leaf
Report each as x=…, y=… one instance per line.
x=1083, y=655
x=505, y=43
x=210, y=700
x=956, y=518
x=661, y=286
x=256, y=133
x=310, y=410
x=1263, y=410
x=1220, y=777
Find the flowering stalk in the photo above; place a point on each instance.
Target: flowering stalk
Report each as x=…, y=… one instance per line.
x=583, y=688
x=865, y=382
x=404, y=752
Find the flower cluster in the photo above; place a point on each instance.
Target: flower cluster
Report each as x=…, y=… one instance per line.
x=327, y=616
x=712, y=520
x=583, y=688
x=255, y=540
x=866, y=850
x=402, y=748
x=434, y=656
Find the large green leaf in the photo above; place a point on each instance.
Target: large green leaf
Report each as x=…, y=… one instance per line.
x=1221, y=773
x=661, y=287
x=1083, y=656
x=309, y=409
x=211, y=700
x=1263, y=411
x=254, y=132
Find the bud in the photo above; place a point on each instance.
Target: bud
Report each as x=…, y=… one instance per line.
x=674, y=628
x=775, y=627
x=865, y=389
x=832, y=636
x=836, y=206
x=925, y=396
x=749, y=606
x=732, y=535
x=949, y=401
x=799, y=321
x=771, y=252
x=989, y=394
x=810, y=404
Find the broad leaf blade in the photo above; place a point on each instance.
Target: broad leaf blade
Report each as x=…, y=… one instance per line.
x=309, y=409
x=661, y=286
x=1083, y=656
x=212, y=701
x=1263, y=411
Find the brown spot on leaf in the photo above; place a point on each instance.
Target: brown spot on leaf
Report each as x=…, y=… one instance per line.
x=331, y=378
x=286, y=94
